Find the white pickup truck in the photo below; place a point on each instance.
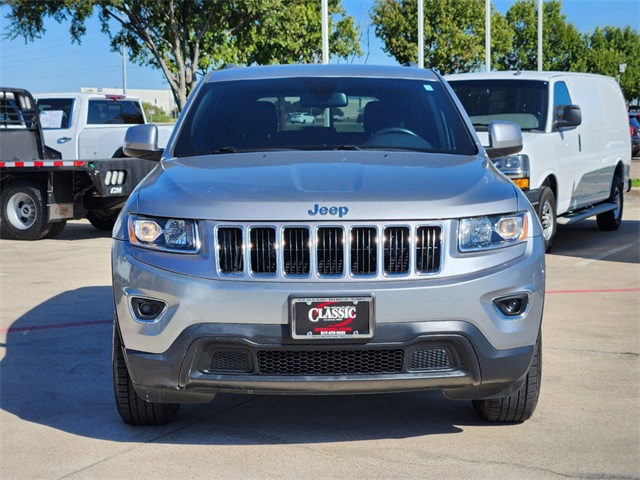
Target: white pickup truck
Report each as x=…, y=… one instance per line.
x=88, y=126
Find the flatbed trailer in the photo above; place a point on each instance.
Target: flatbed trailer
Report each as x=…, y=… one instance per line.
x=39, y=192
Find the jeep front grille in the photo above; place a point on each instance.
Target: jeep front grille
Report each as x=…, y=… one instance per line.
x=328, y=252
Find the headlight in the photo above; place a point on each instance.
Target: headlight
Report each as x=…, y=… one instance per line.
x=484, y=233
x=168, y=234
x=513, y=164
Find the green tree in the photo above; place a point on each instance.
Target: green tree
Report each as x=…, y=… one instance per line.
x=562, y=43
x=156, y=114
x=186, y=37
x=453, y=33
x=608, y=47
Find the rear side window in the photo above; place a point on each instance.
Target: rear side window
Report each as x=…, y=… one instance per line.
x=108, y=112
x=55, y=112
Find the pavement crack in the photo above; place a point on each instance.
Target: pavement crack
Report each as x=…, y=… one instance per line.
x=599, y=352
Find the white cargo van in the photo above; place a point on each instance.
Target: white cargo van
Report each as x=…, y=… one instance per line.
x=576, y=158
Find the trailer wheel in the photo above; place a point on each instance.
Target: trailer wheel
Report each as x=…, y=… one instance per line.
x=103, y=220
x=55, y=229
x=24, y=212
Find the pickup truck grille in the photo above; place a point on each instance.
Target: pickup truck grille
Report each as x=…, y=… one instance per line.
x=328, y=251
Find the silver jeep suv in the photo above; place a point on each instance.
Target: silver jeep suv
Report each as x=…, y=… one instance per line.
x=376, y=250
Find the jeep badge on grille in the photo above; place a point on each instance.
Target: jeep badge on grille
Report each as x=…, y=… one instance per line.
x=340, y=211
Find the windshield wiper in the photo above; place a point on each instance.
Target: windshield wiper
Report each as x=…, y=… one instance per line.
x=484, y=126
x=347, y=147
x=226, y=150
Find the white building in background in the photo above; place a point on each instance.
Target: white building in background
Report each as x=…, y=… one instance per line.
x=159, y=98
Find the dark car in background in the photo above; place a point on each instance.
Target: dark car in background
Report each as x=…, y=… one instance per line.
x=634, y=125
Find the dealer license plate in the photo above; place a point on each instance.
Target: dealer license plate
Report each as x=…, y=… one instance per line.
x=331, y=318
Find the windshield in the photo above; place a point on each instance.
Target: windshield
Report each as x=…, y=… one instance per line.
x=520, y=101
x=323, y=114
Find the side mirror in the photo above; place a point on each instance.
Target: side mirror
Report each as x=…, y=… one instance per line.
x=141, y=141
x=568, y=116
x=505, y=138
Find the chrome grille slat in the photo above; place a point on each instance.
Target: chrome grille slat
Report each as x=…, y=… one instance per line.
x=330, y=251
x=230, y=250
x=396, y=250
x=263, y=250
x=296, y=251
x=428, y=249
x=300, y=251
x=364, y=252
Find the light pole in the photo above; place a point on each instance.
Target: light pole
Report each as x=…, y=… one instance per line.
x=487, y=35
x=124, y=69
x=540, y=35
x=421, y=33
x=621, y=69
x=325, y=31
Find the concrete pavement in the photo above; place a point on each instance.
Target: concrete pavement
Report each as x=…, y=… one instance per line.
x=58, y=417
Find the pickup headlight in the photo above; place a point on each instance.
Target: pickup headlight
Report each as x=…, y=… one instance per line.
x=485, y=233
x=167, y=234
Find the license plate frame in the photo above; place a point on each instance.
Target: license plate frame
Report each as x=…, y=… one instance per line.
x=332, y=318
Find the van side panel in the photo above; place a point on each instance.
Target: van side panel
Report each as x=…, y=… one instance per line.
x=603, y=135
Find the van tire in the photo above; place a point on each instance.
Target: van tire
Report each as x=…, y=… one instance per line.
x=24, y=212
x=518, y=406
x=548, y=216
x=611, y=220
x=131, y=407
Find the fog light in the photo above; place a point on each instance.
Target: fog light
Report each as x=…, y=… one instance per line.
x=147, y=309
x=512, y=305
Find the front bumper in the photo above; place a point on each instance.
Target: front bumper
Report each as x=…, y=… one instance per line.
x=206, y=359
x=216, y=335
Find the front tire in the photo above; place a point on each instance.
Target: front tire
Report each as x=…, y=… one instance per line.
x=132, y=409
x=610, y=221
x=103, y=220
x=24, y=212
x=518, y=406
x=548, y=217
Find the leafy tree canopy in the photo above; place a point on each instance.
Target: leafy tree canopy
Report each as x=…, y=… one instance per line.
x=454, y=32
x=186, y=37
x=562, y=43
x=605, y=49
x=156, y=114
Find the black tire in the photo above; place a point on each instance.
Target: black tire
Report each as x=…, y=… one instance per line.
x=55, y=229
x=132, y=408
x=520, y=405
x=548, y=216
x=610, y=221
x=103, y=220
x=24, y=212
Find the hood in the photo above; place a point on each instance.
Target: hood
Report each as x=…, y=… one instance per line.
x=336, y=185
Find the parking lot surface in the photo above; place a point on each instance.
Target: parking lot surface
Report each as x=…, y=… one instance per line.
x=58, y=417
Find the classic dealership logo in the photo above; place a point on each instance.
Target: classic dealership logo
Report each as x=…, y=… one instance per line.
x=341, y=211
x=329, y=312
